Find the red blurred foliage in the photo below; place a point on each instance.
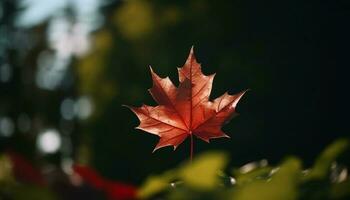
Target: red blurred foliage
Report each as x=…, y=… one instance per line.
x=114, y=190
x=24, y=171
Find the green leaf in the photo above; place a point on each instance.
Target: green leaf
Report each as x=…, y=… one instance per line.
x=252, y=171
x=282, y=186
x=325, y=160
x=203, y=172
x=155, y=184
x=258, y=173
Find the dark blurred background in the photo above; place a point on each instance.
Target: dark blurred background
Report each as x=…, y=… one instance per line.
x=68, y=66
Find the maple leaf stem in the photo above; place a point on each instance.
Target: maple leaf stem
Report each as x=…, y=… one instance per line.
x=191, y=96
x=191, y=148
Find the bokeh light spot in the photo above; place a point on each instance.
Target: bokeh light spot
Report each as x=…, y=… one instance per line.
x=67, y=109
x=83, y=107
x=6, y=127
x=49, y=141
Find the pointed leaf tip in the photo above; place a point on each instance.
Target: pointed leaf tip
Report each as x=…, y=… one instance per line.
x=192, y=49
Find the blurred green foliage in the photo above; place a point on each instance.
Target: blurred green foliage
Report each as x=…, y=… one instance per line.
x=202, y=173
x=208, y=177
x=281, y=185
x=324, y=161
x=286, y=181
x=5, y=169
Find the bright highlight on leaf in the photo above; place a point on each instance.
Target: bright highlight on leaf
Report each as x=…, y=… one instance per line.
x=186, y=110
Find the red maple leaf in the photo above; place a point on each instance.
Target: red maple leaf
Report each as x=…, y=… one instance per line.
x=186, y=110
